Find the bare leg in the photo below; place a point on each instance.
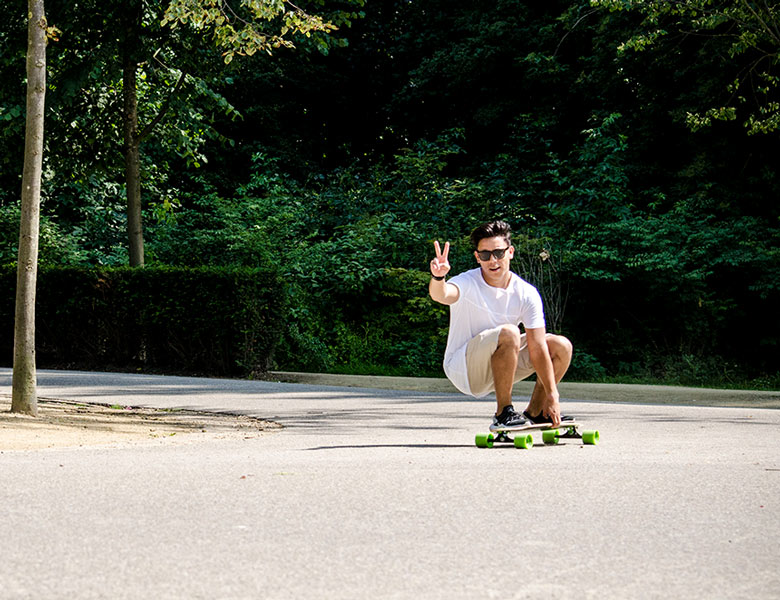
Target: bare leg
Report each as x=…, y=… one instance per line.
x=560, y=352
x=504, y=363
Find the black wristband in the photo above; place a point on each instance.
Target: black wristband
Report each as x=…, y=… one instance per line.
x=437, y=278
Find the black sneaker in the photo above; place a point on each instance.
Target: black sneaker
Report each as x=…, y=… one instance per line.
x=540, y=419
x=508, y=418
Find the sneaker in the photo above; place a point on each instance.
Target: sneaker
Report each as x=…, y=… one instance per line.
x=541, y=419
x=508, y=418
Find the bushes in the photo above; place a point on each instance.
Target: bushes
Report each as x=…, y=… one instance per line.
x=394, y=330
x=676, y=294
x=54, y=245
x=204, y=320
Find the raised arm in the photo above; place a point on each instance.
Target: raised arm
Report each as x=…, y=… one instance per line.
x=438, y=288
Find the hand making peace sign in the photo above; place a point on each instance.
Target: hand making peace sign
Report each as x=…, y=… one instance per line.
x=440, y=266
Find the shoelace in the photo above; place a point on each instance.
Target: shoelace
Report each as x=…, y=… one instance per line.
x=512, y=418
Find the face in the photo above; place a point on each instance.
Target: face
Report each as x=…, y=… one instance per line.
x=495, y=271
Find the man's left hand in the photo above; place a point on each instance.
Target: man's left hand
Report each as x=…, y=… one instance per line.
x=552, y=408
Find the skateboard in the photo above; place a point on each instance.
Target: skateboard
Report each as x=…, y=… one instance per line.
x=550, y=435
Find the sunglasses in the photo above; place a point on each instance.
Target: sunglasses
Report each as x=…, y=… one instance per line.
x=484, y=255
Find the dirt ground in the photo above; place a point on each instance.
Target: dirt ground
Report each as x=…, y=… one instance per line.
x=66, y=424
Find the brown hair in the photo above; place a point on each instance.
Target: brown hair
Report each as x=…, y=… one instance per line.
x=490, y=230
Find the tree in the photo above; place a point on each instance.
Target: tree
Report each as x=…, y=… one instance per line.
x=235, y=31
x=132, y=138
x=114, y=93
x=24, y=395
x=751, y=31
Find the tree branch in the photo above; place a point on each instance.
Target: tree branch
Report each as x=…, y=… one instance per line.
x=766, y=27
x=150, y=127
x=573, y=27
x=775, y=27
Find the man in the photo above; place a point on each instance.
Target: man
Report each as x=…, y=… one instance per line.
x=485, y=349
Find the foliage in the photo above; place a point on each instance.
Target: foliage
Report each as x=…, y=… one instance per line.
x=677, y=283
x=255, y=25
x=581, y=185
x=84, y=186
x=398, y=331
x=55, y=247
x=747, y=32
x=340, y=247
x=661, y=242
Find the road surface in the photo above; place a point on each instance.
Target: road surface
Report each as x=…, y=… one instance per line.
x=382, y=494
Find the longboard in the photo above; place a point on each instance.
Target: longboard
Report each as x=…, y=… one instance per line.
x=523, y=438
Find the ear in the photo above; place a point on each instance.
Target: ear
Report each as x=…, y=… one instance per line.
x=476, y=257
x=511, y=252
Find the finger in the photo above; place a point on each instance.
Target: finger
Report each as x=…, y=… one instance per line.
x=438, y=248
x=446, y=250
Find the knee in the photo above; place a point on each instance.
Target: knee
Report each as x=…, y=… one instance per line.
x=560, y=346
x=510, y=336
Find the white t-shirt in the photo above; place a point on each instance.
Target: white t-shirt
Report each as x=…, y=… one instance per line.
x=480, y=307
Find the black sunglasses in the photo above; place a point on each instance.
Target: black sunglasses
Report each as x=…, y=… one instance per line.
x=484, y=255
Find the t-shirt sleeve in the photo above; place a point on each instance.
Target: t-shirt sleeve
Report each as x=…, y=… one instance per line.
x=461, y=282
x=533, y=313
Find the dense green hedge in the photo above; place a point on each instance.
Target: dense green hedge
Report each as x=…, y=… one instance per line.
x=216, y=321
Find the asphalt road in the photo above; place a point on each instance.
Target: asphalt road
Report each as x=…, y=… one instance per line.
x=382, y=494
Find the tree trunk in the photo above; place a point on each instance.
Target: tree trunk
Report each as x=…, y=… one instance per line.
x=132, y=139
x=24, y=397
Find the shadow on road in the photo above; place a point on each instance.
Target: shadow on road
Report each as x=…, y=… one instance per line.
x=371, y=446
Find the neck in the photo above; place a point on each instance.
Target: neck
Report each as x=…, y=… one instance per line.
x=497, y=282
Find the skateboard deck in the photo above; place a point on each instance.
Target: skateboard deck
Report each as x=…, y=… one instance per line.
x=522, y=438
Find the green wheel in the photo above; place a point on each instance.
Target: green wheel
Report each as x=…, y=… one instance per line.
x=484, y=440
x=590, y=437
x=550, y=436
x=524, y=441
